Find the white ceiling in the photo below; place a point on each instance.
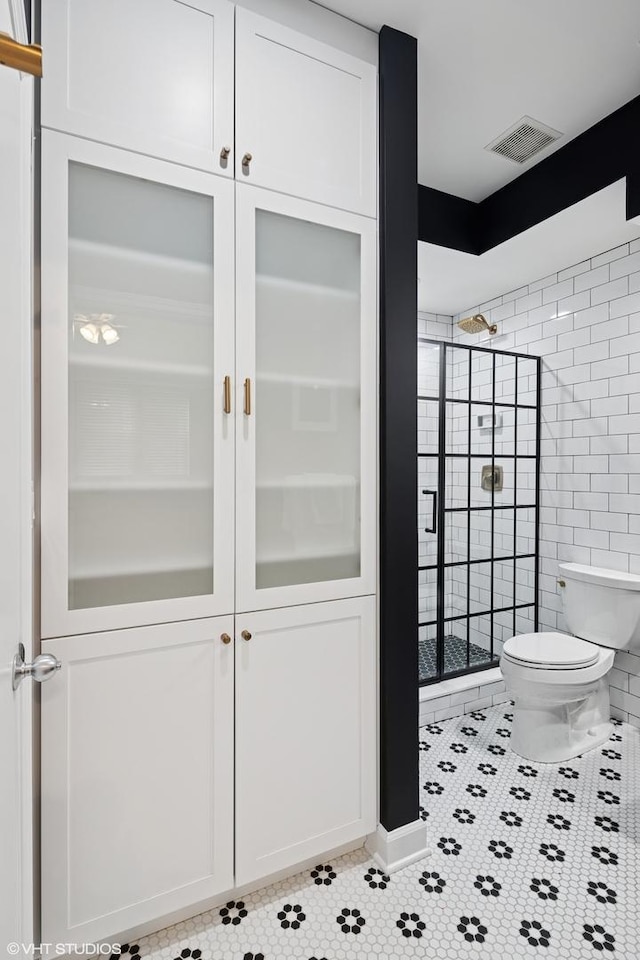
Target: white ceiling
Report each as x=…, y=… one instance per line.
x=452, y=282
x=483, y=65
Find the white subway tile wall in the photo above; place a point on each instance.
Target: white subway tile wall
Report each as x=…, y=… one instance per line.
x=585, y=324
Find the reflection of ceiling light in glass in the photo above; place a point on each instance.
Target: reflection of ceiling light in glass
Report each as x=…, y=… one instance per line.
x=109, y=334
x=90, y=332
x=96, y=326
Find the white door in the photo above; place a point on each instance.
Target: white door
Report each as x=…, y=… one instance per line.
x=154, y=76
x=306, y=401
x=305, y=116
x=137, y=777
x=16, y=816
x=137, y=436
x=305, y=733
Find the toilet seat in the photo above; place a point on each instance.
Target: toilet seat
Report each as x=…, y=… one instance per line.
x=550, y=651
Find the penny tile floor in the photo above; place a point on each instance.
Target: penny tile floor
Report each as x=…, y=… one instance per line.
x=529, y=860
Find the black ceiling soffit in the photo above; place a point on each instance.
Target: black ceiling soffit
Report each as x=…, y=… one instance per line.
x=603, y=154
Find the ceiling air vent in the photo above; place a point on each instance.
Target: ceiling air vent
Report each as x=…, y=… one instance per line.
x=523, y=140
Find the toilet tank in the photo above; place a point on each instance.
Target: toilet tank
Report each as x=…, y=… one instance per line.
x=600, y=605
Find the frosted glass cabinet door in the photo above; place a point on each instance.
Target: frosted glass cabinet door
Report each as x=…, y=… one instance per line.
x=306, y=402
x=137, y=338
x=154, y=76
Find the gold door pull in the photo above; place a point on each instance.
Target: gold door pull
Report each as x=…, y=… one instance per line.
x=227, y=394
x=247, y=397
x=225, y=638
x=20, y=56
x=245, y=635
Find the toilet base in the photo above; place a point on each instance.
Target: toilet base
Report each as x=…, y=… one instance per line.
x=550, y=732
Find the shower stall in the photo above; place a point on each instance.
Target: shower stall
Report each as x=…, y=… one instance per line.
x=478, y=504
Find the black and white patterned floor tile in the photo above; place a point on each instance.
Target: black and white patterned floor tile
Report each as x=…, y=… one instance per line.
x=530, y=860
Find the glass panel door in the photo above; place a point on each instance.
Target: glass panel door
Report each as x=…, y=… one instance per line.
x=140, y=390
x=137, y=456
x=478, y=437
x=307, y=414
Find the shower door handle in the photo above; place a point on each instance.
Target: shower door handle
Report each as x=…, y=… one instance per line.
x=434, y=494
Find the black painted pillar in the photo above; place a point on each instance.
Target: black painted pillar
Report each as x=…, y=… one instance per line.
x=399, y=802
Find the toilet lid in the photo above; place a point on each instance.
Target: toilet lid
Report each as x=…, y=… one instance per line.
x=556, y=651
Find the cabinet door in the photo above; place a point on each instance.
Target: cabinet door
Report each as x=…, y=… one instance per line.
x=137, y=777
x=137, y=338
x=306, y=114
x=306, y=342
x=155, y=76
x=305, y=733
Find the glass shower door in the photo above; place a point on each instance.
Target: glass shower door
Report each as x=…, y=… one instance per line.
x=478, y=462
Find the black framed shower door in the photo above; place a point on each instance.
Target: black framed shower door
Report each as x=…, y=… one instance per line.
x=478, y=504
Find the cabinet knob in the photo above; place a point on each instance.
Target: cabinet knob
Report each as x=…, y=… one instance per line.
x=225, y=638
x=224, y=153
x=246, y=161
x=245, y=635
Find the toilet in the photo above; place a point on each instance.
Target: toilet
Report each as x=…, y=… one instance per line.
x=559, y=682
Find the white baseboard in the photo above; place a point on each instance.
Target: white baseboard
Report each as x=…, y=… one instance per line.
x=392, y=850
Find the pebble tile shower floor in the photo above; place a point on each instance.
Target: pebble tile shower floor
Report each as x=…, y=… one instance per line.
x=529, y=860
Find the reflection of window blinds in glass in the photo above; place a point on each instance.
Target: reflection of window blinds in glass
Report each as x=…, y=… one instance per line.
x=124, y=430
x=165, y=434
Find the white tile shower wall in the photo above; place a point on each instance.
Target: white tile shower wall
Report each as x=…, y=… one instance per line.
x=585, y=323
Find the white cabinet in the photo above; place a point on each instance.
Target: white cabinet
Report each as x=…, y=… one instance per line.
x=157, y=77
x=137, y=339
x=305, y=116
x=137, y=777
x=154, y=76
x=306, y=345
x=209, y=431
x=305, y=733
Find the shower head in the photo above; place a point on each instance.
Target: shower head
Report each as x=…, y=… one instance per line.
x=476, y=324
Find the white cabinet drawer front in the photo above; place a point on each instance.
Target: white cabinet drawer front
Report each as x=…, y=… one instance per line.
x=154, y=76
x=306, y=113
x=137, y=777
x=305, y=733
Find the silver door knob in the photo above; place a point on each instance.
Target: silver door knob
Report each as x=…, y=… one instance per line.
x=246, y=162
x=224, y=153
x=42, y=668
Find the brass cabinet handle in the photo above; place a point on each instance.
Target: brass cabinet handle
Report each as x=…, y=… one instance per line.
x=21, y=56
x=246, y=161
x=224, y=153
x=562, y=583
x=227, y=394
x=245, y=635
x=225, y=638
x=247, y=397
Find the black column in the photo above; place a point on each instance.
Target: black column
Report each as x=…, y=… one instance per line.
x=399, y=803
